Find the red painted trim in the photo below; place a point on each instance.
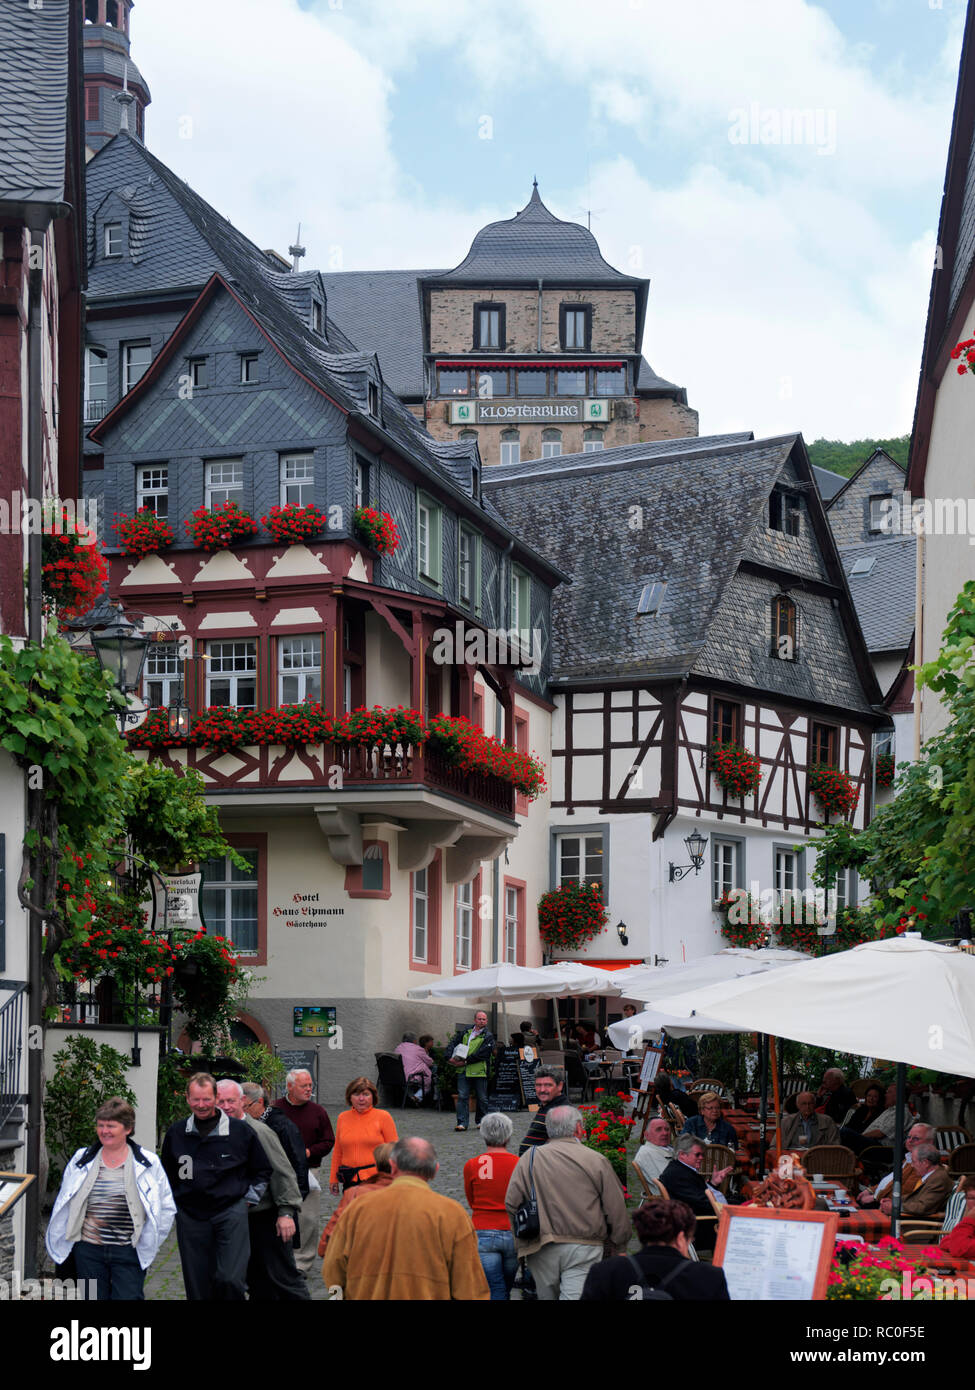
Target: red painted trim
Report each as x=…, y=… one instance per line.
x=263, y=1036
x=353, y=876
x=431, y=966
x=476, y=925
x=520, y=739
x=522, y=936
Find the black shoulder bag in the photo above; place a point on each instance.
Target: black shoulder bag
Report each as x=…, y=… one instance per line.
x=525, y=1221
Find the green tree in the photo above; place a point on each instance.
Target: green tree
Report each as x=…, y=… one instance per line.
x=86, y=1074
x=916, y=853
x=843, y=458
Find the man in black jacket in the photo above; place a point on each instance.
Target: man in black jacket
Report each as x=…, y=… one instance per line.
x=684, y=1183
x=549, y=1085
x=257, y=1104
x=216, y=1166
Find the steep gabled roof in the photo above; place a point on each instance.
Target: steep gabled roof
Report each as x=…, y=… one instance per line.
x=848, y=482
x=380, y=310
x=828, y=482
x=34, y=113
x=680, y=512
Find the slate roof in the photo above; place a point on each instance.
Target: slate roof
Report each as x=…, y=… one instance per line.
x=334, y=364
x=380, y=310
x=34, y=101
x=884, y=598
x=702, y=500
x=535, y=243
x=847, y=482
x=828, y=482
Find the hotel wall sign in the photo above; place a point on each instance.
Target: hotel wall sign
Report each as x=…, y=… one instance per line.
x=514, y=412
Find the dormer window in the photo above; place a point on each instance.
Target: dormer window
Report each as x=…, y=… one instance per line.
x=318, y=317
x=113, y=238
x=880, y=509
x=651, y=598
x=783, y=512
x=373, y=399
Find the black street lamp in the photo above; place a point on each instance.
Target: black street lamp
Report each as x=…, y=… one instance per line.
x=696, y=845
x=121, y=650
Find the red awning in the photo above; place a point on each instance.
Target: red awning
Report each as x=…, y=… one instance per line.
x=602, y=964
x=535, y=366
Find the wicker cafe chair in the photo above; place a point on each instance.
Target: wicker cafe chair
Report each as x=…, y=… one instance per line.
x=717, y=1156
x=706, y=1083
x=961, y=1161
x=653, y=1188
x=832, y=1160
x=915, y=1231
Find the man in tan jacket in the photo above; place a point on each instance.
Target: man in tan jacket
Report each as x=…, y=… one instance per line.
x=406, y=1243
x=581, y=1211
x=930, y=1196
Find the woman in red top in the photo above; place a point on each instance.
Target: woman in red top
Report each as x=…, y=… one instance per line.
x=486, y=1179
x=357, y=1132
x=960, y=1240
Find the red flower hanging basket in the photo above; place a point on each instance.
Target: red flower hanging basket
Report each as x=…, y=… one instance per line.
x=73, y=572
x=570, y=916
x=142, y=534
x=734, y=768
x=835, y=791
x=377, y=529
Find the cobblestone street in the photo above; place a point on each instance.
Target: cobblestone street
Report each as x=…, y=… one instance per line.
x=164, y=1280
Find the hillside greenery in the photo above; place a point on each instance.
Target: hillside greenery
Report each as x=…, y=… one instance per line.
x=847, y=458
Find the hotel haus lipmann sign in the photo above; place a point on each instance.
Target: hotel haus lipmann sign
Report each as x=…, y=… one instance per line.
x=515, y=412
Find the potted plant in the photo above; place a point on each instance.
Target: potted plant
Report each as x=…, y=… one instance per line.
x=214, y=528
x=885, y=769
x=835, y=791
x=377, y=529
x=207, y=982
x=735, y=769
x=145, y=533
x=73, y=572
x=571, y=915
x=292, y=525
x=466, y=746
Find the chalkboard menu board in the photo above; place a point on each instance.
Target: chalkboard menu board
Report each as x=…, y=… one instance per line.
x=301, y=1058
x=526, y=1073
x=506, y=1089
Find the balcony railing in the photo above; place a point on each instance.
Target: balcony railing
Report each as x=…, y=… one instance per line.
x=12, y=1091
x=95, y=410
x=391, y=765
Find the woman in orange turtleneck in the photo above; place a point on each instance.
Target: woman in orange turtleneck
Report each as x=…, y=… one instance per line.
x=357, y=1132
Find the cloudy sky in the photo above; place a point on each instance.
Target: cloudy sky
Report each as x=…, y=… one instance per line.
x=773, y=166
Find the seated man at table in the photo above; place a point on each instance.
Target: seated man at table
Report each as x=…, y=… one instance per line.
x=709, y=1124
x=807, y=1127
x=917, y=1134
x=881, y=1131
x=653, y=1156
x=933, y=1189
x=685, y=1183
x=835, y=1098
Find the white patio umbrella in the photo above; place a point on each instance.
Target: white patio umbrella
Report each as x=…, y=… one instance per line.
x=501, y=983
x=906, y=998
x=647, y=982
x=644, y=1025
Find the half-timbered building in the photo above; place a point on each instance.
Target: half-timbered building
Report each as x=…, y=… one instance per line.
x=708, y=605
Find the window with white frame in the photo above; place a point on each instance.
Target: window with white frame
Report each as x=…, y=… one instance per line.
x=248, y=368
x=317, y=317
x=463, y=925
x=152, y=489
x=520, y=607
x=224, y=481
x=230, y=900
x=136, y=358
x=579, y=859
x=232, y=674
x=197, y=371
x=299, y=670
x=161, y=677
x=510, y=446
x=428, y=539
x=512, y=923
x=880, y=510
x=297, y=479
x=468, y=567
x=551, y=444
x=113, y=239
x=361, y=482
x=786, y=871
x=725, y=867
x=421, y=914
x=96, y=384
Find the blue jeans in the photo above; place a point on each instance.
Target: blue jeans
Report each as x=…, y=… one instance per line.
x=464, y=1084
x=497, y=1251
x=116, y=1268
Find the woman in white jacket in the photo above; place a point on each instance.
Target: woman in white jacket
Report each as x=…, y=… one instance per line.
x=114, y=1209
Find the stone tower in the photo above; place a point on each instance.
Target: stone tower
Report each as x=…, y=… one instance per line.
x=116, y=95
